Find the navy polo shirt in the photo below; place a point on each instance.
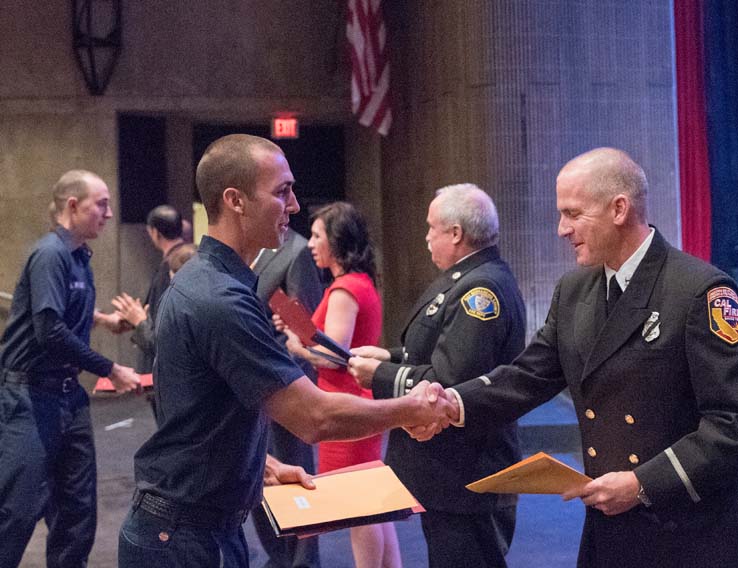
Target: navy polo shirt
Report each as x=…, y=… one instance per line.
x=50, y=318
x=217, y=361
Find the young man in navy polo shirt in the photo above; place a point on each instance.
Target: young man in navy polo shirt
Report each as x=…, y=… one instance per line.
x=47, y=454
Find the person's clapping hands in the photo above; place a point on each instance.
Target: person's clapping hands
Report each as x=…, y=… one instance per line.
x=129, y=309
x=441, y=409
x=114, y=323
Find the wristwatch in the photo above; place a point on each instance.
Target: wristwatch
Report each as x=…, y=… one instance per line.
x=643, y=498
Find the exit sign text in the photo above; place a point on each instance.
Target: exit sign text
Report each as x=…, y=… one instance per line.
x=285, y=128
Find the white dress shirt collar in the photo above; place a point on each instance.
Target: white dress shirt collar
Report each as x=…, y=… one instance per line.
x=625, y=274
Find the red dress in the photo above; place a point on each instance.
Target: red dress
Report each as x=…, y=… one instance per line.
x=334, y=455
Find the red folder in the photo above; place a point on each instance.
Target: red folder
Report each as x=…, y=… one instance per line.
x=105, y=385
x=298, y=319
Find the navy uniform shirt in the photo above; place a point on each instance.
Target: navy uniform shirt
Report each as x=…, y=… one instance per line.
x=217, y=361
x=51, y=316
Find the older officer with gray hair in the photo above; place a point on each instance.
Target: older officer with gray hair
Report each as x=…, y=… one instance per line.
x=468, y=321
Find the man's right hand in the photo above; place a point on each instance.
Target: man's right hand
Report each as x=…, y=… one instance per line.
x=125, y=379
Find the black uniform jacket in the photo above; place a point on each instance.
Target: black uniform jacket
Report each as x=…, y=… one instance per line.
x=655, y=390
x=444, y=342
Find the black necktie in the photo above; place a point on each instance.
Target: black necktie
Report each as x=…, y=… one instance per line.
x=613, y=295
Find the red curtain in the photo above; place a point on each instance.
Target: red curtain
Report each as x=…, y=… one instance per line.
x=694, y=165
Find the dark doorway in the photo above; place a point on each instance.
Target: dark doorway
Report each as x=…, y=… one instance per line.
x=316, y=159
x=142, y=165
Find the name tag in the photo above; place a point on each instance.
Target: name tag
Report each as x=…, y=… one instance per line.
x=77, y=285
x=302, y=503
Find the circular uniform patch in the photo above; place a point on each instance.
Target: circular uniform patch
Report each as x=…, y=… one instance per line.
x=722, y=305
x=481, y=303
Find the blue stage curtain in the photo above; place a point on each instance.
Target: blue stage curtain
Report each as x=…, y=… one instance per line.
x=721, y=58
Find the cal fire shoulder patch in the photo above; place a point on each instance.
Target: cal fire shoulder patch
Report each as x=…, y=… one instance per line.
x=722, y=305
x=481, y=303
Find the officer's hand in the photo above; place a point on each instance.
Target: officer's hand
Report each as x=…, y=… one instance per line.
x=125, y=379
x=277, y=473
x=612, y=493
x=363, y=370
x=372, y=352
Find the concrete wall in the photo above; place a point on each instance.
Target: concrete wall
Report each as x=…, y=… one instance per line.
x=182, y=59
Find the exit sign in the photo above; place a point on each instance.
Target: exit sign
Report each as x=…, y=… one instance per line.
x=285, y=128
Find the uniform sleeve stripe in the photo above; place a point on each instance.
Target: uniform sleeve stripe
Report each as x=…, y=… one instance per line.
x=676, y=464
x=399, y=386
x=485, y=380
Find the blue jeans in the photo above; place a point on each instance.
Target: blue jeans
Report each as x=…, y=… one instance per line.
x=47, y=469
x=148, y=540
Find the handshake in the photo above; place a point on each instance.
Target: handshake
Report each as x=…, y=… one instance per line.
x=437, y=409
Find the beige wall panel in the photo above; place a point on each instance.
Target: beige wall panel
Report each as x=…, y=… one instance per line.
x=182, y=48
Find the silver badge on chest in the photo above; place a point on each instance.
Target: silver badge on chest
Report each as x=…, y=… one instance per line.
x=433, y=307
x=651, y=329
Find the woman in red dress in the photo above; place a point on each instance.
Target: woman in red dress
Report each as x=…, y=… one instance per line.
x=350, y=314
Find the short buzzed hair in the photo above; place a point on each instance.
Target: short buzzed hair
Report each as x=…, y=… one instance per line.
x=613, y=171
x=74, y=183
x=167, y=220
x=468, y=206
x=230, y=161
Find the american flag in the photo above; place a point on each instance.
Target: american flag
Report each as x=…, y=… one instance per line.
x=369, y=65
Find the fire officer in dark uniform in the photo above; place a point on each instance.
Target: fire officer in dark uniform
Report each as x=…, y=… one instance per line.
x=47, y=455
x=468, y=321
x=646, y=339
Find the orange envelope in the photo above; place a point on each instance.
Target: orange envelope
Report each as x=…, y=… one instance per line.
x=345, y=499
x=537, y=474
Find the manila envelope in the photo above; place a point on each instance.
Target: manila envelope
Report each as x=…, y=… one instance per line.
x=537, y=474
x=341, y=499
